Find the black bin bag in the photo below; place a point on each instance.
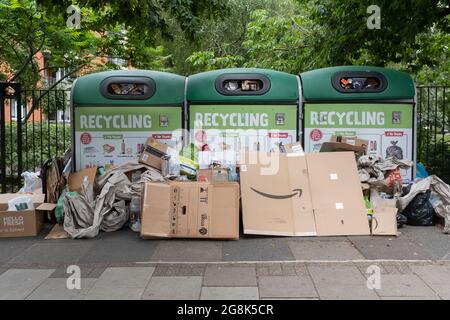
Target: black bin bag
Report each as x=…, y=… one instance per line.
x=419, y=211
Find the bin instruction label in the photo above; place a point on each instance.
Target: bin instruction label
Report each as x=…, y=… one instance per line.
x=233, y=127
x=106, y=136
x=388, y=128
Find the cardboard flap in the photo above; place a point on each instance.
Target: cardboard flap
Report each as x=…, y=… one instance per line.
x=76, y=178
x=5, y=197
x=46, y=207
x=337, y=197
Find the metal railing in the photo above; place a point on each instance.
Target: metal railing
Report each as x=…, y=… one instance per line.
x=34, y=126
x=433, y=129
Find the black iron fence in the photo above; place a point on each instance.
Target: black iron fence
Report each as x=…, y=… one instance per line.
x=35, y=126
x=433, y=129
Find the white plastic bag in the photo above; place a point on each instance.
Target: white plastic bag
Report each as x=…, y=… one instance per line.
x=33, y=182
x=20, y=204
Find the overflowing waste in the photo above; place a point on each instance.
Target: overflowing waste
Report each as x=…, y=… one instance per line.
x=189, y=193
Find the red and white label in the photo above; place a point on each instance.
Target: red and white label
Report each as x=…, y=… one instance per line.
x=86, y=138
x=162, y=136
x=394, y=133
x=316, y=135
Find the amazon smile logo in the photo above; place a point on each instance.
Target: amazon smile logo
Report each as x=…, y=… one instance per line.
x=279, y=197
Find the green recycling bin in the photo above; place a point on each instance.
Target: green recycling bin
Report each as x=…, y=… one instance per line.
x=236, y=108
x=114, y=112
x=372, y=103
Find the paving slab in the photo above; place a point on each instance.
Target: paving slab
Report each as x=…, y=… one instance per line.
x=286, y=287
x=400, y=248
x=17, y=284
x=404, y=285
x=188, y=251
x=104, y=293
x=125, y=277
x=432, y=239
x=10, y=248
x=173, y=288
x=127, y=283
x=341, y=282
x=86, y=272
x=120, y=248
x=324, y=250
x=229, y=293
x=257, y=249
x=433, y=274
x=179, y=270
x=224, y=276
x=52, y=254
x=56, y=289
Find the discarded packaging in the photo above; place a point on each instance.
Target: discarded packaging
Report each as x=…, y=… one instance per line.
x=302, y=195
x=190, y=210
x=153, y=151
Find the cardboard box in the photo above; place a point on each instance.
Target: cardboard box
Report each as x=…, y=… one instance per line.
x=21, y=223
x=295, y=147
x=339, y=144
x=353, y=141
x=152, y=153
x=212, y=175
x=190, y=210
x=313, y=194
x=75, y=179
x=337, y=198
x=278, y=204
x=384, y=221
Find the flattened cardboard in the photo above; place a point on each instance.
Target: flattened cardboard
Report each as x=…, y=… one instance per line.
x=277, y=204
x=75, y=179
x=152, y=153
x=337, y=197
x=190, y=210
x=384, y=221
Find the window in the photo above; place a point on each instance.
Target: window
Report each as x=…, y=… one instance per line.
x=14, y=111
x=359, y=82
x=242, y=84
x=128, y=88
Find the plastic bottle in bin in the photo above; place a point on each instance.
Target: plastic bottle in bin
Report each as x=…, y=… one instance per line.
x=135, y=214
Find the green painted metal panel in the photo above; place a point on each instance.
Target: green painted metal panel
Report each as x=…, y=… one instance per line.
x=243, y=117
x=169, y=88
x=317, y=85
x=201, y=87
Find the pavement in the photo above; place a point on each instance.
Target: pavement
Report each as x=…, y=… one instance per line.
x=120, y=265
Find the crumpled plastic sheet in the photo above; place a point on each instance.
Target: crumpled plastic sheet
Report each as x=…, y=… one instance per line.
x=440, y=199
x=85, y=217
x=372, y=169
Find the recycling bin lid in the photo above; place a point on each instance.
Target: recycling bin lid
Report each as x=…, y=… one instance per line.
x=129, y=87
x=250, y=85
x=356, y=83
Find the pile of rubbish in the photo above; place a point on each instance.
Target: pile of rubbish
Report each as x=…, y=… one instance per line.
x=190, y=193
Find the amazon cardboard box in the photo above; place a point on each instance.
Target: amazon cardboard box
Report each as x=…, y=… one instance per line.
x=276, y=197
x=152, y=153
x=21, y=223
x=302, y=194
x=190, y=210
x=384, y=221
